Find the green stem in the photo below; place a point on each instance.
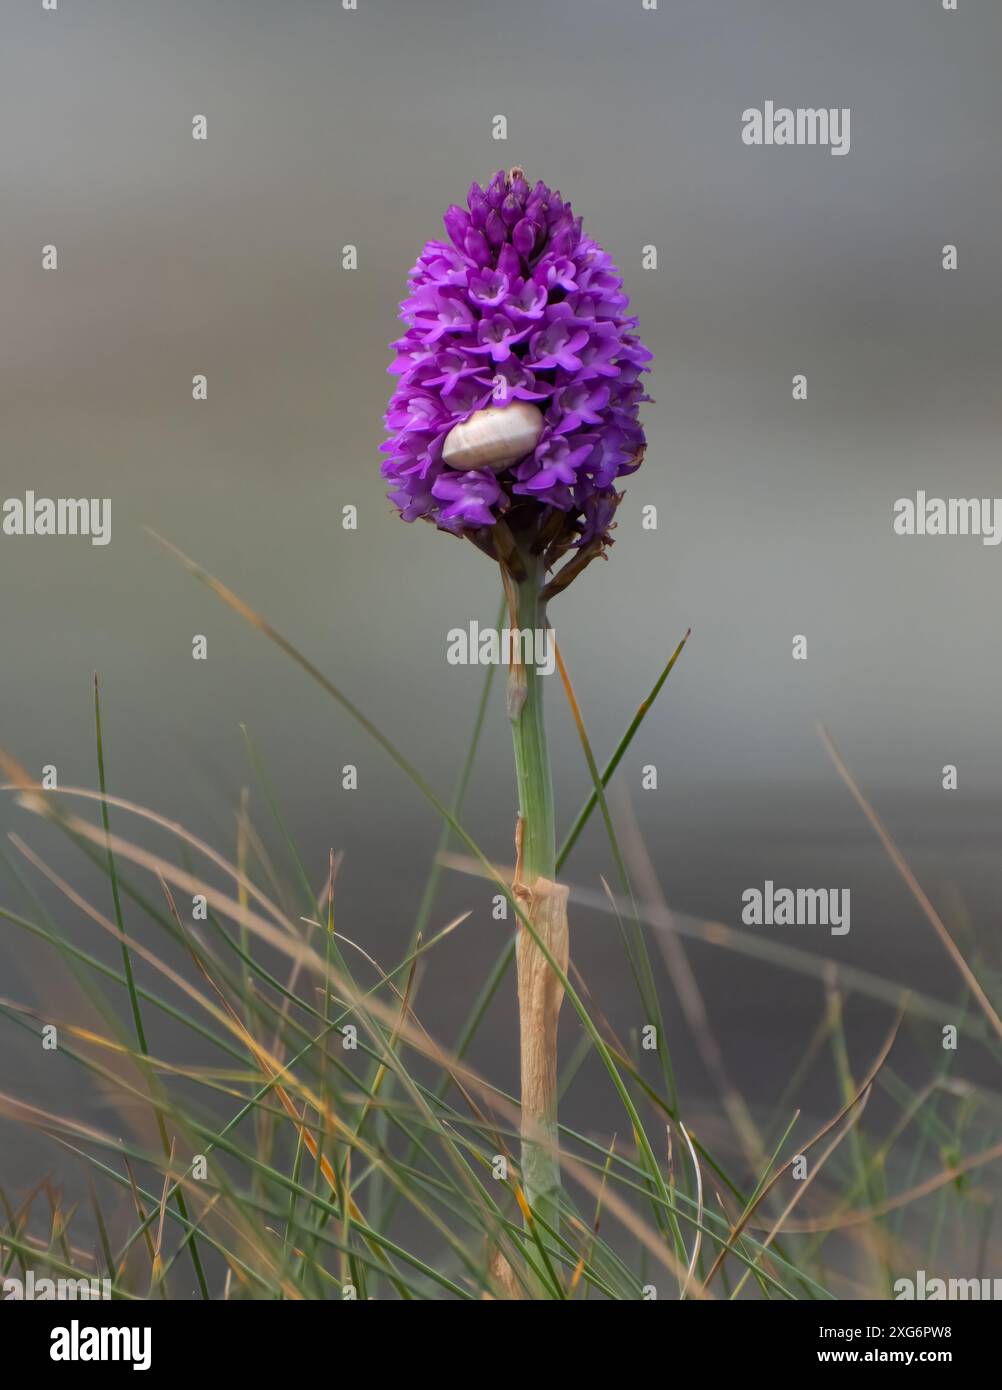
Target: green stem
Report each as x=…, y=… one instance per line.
x=532, y=758
x=540, y=1160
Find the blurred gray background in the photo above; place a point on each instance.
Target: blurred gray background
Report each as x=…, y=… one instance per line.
x=327, y=127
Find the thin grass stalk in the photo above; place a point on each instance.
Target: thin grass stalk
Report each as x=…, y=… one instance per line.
x=137, y=1017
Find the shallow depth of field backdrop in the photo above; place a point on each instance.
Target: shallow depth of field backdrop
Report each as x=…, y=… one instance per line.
x=223, y=257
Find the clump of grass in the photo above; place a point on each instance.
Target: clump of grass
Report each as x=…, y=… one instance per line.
x=328, y=1144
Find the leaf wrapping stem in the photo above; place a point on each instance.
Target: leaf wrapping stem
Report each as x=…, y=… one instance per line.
x=540, y=993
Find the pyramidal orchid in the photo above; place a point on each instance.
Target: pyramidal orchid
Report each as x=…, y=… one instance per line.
x=514, y=416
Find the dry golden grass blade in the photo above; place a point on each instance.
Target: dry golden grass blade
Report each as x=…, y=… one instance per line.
x=523, y=1205
x=690, y=996
x=914, y=887
x=346, y=1222
x=381, y=1070
x=902, y=1199
x=585, y=1255
x=804, y=1148
x=227, y=1081
x=22, y=1112
x=853, y=1120
x=141, y=1213
x=42, y=802
x=60, y=1218
x=297, y=965
x=699, y=1205
x=158, y=1267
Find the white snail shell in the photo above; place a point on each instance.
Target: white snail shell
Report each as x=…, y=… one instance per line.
x=494, y=438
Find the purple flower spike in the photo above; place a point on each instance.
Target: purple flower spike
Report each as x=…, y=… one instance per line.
x=519, y=308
